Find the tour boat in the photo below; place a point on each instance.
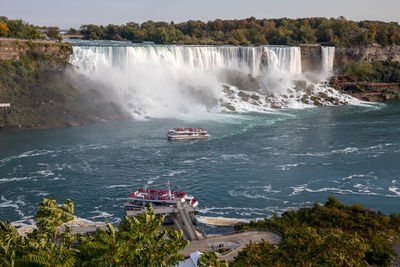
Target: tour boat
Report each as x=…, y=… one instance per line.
x=176, y=207
x=155, y=197
x=163, y=202
x=187, y=133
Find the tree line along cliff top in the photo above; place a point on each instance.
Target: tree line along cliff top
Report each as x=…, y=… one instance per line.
x=338, y=32
x=283, y=31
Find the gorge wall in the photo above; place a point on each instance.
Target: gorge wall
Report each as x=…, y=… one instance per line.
x=35, y=79
x=11, y=49
x=311, y=55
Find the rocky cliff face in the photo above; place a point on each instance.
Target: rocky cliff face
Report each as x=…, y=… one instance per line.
x=345, y=55
x=11, y=49
x=311, y=55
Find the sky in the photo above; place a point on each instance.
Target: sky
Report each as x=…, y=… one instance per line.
x=74, y=13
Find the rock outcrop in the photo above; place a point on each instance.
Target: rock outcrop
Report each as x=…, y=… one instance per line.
x=11, y=49
x=35, y=78
x=345, y=55
x=311, y=57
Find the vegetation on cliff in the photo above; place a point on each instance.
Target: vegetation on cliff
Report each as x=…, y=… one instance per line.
x=42, y=95
x=373, y=72
x=18, y=29
x=374, y=81
x=284, y=31
x=329, y=235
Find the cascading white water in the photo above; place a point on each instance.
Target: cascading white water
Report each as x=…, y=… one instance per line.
x=284, y=58
x=204, y=58
x=327, y=57
x=171, y=80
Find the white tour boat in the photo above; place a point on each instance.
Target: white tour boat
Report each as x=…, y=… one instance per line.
x=162, y=201
x=177, y=207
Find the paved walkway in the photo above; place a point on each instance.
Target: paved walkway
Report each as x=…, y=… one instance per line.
x=237, y=240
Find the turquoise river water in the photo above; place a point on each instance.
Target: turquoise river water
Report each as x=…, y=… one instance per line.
x=252, y=166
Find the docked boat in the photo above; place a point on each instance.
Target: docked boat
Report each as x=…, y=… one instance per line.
x=163, y=202
x=187, y=134
x=177, y=207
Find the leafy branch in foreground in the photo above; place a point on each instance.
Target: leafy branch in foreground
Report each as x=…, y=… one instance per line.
x=139, y=241
x=211, y=259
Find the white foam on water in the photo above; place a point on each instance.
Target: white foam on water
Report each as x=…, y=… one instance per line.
x=46, y=173
x=16, y=179
x=368, y=176
x=303, y=188
x=255, y=192
x=42, y=194
x=100, y=214
x=152, y=179
x=289, y=166
x=268, y=188
x=350, y=185
x=234, y=156
x=346, y=150
x=12, y=204
x=118, y=186
x=250, y=195
x=189, y=161
x=58, y=179
x=173, y=173
x=246, y=212
x=394, y=188
x=27, y=154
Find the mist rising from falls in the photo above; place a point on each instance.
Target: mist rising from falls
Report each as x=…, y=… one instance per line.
x=168, y=81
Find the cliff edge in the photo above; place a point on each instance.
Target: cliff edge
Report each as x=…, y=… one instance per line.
x=42, y=91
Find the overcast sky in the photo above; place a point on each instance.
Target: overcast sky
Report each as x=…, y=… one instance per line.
x=73, y=13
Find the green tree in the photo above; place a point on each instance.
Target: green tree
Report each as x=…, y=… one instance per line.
x=3, y=29
x=307, y=247
x=51, y=243
x=51, y=216
x=53, y=33
x=211, y=259
x=12, y=245
x=139, y=241
x=48, y=253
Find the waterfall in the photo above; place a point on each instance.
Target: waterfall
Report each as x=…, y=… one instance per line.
x=204, y=58
x=171, y=80
x=285, y=58
x=327, y=57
